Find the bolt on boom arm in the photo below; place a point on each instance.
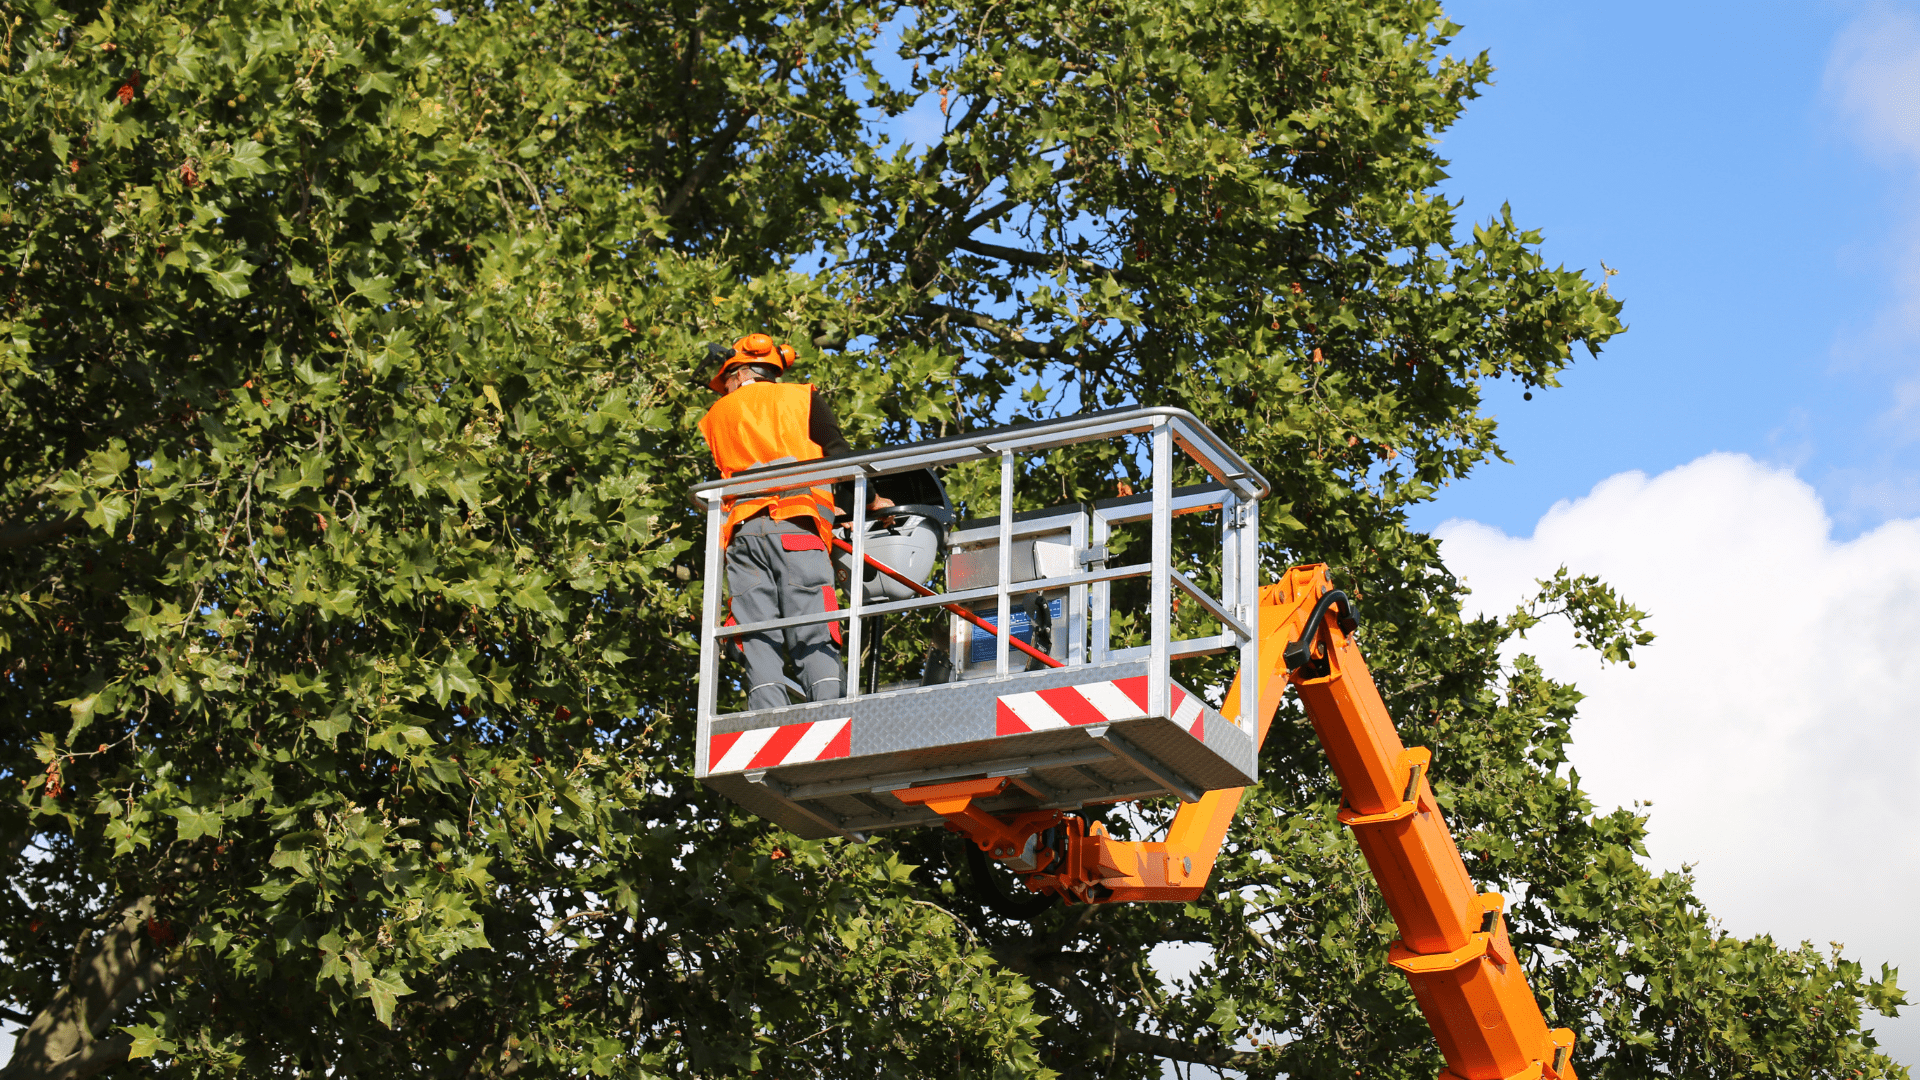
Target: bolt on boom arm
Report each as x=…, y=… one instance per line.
x=1453, y=944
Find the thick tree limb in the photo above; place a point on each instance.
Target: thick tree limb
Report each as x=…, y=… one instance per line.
x=712, y=157
x=699, y=174
x=1040, y=261
x=987, y=215
x=1039, y=350
x=15, y=537
x=95, y=1057
x=1130, y=1041
x=68, y=1039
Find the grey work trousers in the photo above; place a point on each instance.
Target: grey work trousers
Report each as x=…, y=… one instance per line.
x=776, y=569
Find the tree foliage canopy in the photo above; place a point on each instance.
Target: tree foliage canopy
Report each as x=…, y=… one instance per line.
x=346, y=616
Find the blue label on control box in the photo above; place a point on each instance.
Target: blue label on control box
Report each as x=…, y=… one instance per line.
x=980, y=650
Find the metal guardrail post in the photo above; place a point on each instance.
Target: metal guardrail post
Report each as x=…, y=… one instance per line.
x=1005, y=625
x=1248, y=551
x=856, y=594
x=1230, y=592
x=708, y=694
x=1076, y=609
x=1159, y=620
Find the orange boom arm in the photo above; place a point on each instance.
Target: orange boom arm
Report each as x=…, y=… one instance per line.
x=1453, y=944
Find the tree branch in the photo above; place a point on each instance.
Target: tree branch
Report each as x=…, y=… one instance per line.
x=1039, y=261
x=957, y=233
x=15, y=537
x=96, y=1056
x=64, y=1040
x=560, y=923
x=987, y=215
x=1058, y=972
x=937, y=154
x=699, y=174
x=924, y=224
x=1039, y=350
x=1160, y=1046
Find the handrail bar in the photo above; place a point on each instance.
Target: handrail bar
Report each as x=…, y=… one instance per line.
x=1199, y=646
x=1214, y=607
x=1220, y=460
x=1031, y=585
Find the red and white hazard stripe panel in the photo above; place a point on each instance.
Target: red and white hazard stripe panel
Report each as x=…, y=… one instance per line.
x=788, y=744
x=1092, y=703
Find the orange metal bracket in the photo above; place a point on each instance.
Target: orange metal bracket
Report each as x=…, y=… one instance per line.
x=1003, y=838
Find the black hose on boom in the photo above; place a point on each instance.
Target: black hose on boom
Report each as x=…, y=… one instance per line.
x=1300, y=654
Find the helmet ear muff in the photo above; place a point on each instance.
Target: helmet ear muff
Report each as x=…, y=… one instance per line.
x=756, y=351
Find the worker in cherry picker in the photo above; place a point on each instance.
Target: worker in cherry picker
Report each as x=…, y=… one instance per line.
x=776, y=545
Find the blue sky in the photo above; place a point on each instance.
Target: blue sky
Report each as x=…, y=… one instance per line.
x=1742, y=463
x=1730, y=162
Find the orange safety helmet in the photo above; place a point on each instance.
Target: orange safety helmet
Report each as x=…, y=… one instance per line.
x=752, y=349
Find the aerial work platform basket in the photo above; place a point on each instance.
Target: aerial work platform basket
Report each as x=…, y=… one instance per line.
x=1004, y=753
x=1093, y=723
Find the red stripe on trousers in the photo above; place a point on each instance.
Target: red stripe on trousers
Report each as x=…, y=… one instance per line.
x=833, y=604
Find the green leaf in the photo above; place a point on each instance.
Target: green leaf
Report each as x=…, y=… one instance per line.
x=376, y=290
x=377, y=81
x=147, y=1042
x=230, y=282
x=309, y=472
x=194, y=822
x=248, y=160
x=452, y=678
x=331, y=728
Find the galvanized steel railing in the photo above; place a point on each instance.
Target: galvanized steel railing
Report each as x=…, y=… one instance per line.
x=1236, y=491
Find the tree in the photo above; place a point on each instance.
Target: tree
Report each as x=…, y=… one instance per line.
x=347, y=620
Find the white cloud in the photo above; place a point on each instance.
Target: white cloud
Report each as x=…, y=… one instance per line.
x=1873, y=81
x=1874, y=72
x=1775, y=723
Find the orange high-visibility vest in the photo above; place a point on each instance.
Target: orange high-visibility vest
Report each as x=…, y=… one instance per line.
x=761, y=424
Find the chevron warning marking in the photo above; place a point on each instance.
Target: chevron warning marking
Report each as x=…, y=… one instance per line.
x=1091, y=703
x=788, y=744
